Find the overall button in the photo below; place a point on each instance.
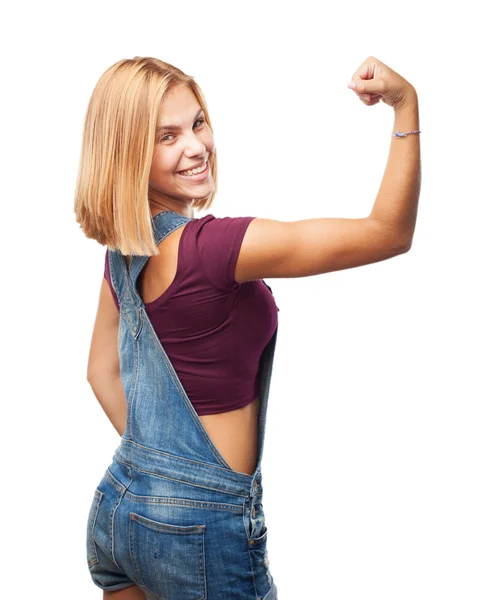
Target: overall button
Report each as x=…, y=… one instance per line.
x=254, y=511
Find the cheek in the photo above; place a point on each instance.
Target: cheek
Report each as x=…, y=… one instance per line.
x=162, y=165
x=209, y=141
x=155, y=172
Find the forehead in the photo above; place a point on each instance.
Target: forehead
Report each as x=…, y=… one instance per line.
x=179, y=105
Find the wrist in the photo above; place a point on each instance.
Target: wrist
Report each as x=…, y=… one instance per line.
x=406, y=116
x=409, y=103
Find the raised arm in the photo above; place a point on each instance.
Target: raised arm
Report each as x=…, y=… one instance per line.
x=313, y=246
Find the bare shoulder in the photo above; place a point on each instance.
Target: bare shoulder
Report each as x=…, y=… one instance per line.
x=273, y=248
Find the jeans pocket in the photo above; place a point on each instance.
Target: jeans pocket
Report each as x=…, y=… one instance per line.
x=169, y=560
x=91, y=552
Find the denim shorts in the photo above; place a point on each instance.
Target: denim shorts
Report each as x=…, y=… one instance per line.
x=177, y=541
x=169, y=514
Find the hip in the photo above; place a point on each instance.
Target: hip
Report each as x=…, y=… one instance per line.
x=168, y=536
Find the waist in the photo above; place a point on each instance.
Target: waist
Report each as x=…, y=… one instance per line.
x=208, y=476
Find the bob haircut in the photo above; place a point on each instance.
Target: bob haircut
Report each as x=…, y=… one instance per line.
x=119, y=136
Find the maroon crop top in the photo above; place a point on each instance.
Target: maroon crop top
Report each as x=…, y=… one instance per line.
x=212, y=328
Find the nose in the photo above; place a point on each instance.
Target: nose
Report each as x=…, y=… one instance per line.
x=194, y=146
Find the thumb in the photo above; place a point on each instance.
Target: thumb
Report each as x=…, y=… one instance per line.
x=360, y=86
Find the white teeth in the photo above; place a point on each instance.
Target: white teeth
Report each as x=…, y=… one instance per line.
x=194, y=171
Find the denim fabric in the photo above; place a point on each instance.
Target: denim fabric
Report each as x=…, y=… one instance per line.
x=169, y=514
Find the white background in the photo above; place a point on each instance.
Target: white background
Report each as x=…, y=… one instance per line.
x=370, y=466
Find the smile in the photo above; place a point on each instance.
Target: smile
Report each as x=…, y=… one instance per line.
x=196, y=174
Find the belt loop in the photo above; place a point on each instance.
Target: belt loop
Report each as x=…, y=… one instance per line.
x=255, y=484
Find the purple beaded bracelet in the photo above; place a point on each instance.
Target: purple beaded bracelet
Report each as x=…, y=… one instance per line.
x=403, y=133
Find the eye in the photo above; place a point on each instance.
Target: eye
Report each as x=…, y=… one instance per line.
x=163, y=139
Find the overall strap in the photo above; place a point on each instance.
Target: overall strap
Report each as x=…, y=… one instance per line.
x=163, y=224
x=124, y=278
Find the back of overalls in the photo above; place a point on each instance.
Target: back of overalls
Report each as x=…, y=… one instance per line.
x=170, y=515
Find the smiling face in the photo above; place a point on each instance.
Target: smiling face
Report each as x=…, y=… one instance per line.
x=184, y=142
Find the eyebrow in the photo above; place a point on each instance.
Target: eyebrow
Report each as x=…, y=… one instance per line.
x=176, y=127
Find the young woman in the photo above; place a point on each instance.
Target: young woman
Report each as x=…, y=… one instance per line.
x=183, y=343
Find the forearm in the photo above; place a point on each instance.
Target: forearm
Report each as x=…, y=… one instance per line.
x=110, y=394
x=397, y=200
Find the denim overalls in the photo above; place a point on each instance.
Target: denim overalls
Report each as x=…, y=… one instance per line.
x=169, y=514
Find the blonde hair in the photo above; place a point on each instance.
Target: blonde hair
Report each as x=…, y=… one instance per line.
x=119, y=135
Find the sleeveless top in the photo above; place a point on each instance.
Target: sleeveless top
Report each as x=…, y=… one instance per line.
x=212, y=328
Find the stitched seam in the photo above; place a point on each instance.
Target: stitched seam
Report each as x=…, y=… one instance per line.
x=116, y=484
x=112, y=522
x=131, y=396
x=201, y=504
x=98, y=497
x=188, y=460
x=197, y=485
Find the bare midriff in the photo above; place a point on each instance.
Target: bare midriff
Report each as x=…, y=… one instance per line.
x=234, y=433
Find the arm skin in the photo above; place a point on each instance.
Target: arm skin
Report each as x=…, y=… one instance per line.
x=103, y=372
x=110, y=395
x=272, y=248
x=397, y=200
